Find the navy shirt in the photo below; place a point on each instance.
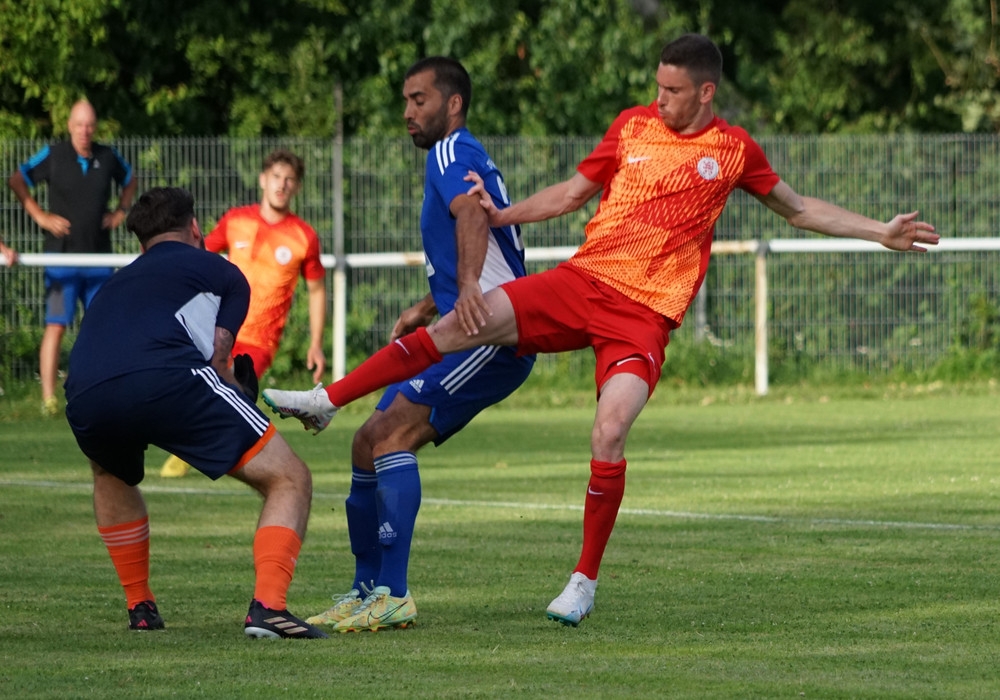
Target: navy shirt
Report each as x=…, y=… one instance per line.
x=158, y=312
x=79, y=190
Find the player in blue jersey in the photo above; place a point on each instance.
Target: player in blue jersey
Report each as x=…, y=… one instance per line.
x=465, y=258
x=151, y=366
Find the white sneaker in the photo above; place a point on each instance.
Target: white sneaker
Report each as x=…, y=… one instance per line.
x=575, y=602
x=312, y=407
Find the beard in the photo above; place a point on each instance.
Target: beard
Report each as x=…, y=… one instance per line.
x=435, y=130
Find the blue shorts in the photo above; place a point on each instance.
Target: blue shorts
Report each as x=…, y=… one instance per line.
x=462, y=385
x=65, y=286
x=190, y=413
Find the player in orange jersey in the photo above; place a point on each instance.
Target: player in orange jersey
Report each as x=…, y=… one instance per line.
x=272, y=247
x=664, y=172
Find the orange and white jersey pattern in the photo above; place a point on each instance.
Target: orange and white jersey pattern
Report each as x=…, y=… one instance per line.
x=651, y=236
x=271, y=257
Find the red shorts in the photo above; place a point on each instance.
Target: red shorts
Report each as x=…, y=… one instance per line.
x=565, y=309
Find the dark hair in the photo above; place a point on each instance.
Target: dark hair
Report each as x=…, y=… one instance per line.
x=160, y=210
x=450, y=77
x=283, y=155
x=698, y=55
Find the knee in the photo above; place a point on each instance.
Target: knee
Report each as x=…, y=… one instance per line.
x=294, y=475
x=608, y=438
x=302, y=476
x=361, y=447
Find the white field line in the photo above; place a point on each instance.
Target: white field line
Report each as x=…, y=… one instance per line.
x=514, y=505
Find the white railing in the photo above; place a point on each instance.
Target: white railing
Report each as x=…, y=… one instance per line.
x=761, y=249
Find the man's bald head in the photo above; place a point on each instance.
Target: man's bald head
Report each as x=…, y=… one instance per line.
x=81, y=124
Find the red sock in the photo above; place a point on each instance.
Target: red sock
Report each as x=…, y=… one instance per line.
x=408, y=356
x=128, y=545
x=604, y=496
x=275, y=551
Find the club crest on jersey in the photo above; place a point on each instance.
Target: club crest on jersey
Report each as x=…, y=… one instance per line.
x=283, y=254
x=708, y=168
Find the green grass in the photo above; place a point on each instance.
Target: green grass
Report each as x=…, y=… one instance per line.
x=815, y=543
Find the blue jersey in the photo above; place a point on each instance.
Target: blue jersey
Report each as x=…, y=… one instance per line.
x=159, y=312
x=448, y=162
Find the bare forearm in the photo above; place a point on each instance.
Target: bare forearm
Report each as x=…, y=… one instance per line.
x=128, y=193
x=223, y=353
x=554, y=200
x=20, y=189
x=317, y=312
x=426, y=307
x=829, y=219
x=471, y=241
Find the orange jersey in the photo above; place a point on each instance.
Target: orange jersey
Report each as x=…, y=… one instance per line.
x=651, y=236
x=271, y=257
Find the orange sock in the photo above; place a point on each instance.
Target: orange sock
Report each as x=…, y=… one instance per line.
x=128, y=545
x=275, y=550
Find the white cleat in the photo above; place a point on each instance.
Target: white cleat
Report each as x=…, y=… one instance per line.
x=575, y=602
x=312, y=407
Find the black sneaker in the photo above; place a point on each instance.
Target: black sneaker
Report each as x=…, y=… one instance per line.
x=277, y=624
x=145, y=616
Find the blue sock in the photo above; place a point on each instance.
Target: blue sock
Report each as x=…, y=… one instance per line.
x=398, y=503
x=362, y=529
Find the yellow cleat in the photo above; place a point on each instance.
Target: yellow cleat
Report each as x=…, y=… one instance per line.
x=50, y=407
x=380, y=611
x=174, y=467
x=343, y=607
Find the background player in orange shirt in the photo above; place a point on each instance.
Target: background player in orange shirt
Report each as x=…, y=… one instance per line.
x=664, y=171
x=272, y=247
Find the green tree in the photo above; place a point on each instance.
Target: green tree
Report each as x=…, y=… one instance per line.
x=52, y=52
x=552, y=67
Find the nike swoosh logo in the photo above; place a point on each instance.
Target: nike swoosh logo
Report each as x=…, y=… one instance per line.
x=592, y=492
x=386, y=613
x=627, y=359
x=638, y=159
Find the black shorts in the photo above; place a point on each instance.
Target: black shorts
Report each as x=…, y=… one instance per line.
x=190, y=413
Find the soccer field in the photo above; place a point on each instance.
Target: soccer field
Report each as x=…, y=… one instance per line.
x=787, y=547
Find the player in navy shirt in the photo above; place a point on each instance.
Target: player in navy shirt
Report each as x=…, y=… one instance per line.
x=152, y=366
x=465, y=258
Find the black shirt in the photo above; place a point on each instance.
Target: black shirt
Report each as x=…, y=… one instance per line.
x=79, y=190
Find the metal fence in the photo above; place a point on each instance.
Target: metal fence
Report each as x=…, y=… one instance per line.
x=869, y=312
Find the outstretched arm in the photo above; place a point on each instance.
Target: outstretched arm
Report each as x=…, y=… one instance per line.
x=555, y=200
x=902, y=233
